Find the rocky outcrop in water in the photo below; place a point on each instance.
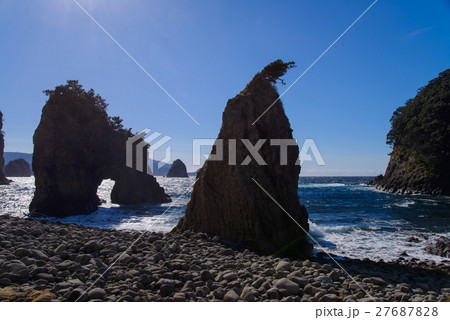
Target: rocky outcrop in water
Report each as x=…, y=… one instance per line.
x=3, y=179
x=177, y=170
x=440, y=248
x=18, y=168
x=226, y=199
x=420, y=136
x=375, y=181
x=76, y=146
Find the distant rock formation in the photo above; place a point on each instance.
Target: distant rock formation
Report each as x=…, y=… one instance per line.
x=3, y=179
x=10, y=156
x=76, y=146
x=227, y=202
x=177, y=170
x=375, y=181
x=420, y=136
x=18, y=168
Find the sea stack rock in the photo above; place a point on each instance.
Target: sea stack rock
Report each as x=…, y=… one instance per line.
x=76, y=146
x=18, y=168
x=420, y=137
x=177, y=170
x=226, y=199
x=3, y=179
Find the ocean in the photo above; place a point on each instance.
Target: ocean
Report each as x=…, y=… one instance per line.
x=347, y=217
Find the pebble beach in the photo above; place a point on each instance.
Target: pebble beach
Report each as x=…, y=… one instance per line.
x=47, y=261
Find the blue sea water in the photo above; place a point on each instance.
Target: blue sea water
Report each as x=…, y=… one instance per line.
x=347, y=218
x=351, y=219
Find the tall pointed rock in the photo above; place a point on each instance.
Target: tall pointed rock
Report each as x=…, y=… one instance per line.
x=227, y=200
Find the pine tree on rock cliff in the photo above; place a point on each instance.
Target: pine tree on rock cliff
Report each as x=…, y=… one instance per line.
x=275, y=70
x=226, y=199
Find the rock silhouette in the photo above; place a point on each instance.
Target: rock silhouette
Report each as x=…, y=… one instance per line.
x=18, y=168
x=76, y=146
x=226, y=200
x=3, y=179
x=178, y=169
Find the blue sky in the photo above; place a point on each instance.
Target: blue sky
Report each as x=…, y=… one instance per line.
x=204, y=52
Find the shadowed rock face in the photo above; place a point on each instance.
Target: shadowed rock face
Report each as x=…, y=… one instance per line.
x=228, y=203
x=75, y=148
x=18, y=168
x=178, y=169
x=3, y=180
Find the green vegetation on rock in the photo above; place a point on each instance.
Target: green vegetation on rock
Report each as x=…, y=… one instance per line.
x=420, y=137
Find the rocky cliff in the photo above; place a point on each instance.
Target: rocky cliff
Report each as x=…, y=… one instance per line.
x=3, y=179
x=178, y=169
x=18, y=168
x=76, y=146
x=420, y=137
x=226, y=200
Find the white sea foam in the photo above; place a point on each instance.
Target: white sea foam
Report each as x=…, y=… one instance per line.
x=389, y=246
x=315, y=231
x=321, y=185
x=404, y=204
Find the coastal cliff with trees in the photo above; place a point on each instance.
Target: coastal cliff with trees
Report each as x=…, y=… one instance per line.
x=420, y=140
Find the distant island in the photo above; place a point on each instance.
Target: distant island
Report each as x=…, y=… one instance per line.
x=420, y=140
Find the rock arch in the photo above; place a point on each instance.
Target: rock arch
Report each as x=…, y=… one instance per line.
x=76, y=147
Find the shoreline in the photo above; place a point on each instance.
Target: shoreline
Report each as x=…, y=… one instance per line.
x=46, y=261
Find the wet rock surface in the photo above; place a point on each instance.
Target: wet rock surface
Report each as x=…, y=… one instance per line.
x=62, y=263
x=441, y=247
